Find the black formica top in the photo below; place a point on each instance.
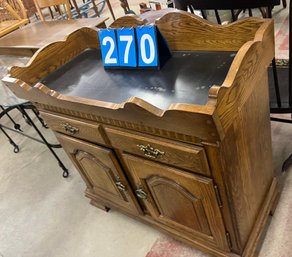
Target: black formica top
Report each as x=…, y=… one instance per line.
x=185, y=78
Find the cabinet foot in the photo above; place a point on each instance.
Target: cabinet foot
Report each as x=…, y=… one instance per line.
x=268, y=207
x=100, y=206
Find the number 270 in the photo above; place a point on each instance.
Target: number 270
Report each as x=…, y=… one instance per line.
x=123, y=51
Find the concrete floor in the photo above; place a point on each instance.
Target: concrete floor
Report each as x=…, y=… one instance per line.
x=45, y=215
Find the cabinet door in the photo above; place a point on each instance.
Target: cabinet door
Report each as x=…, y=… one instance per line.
x=179, y=199
x=101, y=173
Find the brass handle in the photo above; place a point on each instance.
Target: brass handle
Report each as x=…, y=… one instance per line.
x=141, y=193
x=121, y=186
x=149, y=151
x=69, y=128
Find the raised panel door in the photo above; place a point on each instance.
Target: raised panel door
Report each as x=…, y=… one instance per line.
x=178, y=199
x=101, y=173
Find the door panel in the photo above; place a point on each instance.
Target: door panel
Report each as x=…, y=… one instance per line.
x=189, y=213
x=179, y=199
x=101, y=172
x=101, y=176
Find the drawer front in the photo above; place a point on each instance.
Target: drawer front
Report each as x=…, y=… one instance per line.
x=192, y=158
x=76, y=128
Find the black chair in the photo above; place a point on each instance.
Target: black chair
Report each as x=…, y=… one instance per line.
x=265, y=6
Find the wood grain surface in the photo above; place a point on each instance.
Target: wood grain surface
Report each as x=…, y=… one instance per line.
x=28, y=39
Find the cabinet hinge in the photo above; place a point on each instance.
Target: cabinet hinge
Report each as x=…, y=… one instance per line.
x=228, y=239
x=219, y=200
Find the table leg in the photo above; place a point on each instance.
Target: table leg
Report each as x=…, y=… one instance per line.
x=110, y=8
x=76, y=8
x=95, y=7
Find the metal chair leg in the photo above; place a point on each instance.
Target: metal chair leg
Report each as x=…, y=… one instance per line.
x=276, y=82
x=65, y=170
x=16, y=147
x=233, y=15
x=204, y=14
x=217, y=17
x=37, y=114
x=16, y=125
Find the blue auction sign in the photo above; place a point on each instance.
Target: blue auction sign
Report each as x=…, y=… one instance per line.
x=109, y=47
x=147, y=45
x=142, y=47
x=127, y=47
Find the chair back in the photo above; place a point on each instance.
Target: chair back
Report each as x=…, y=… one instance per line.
x=265, y=6
x=235, y=4
x=60, y=7
x=12, y=16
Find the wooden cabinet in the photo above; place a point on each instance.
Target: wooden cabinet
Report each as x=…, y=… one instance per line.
x=186, y=149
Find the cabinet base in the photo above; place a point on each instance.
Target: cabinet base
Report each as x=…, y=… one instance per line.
x=268, y=207
x=99, y=206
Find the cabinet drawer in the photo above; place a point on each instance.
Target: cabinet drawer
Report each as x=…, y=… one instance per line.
x=76, y=128
x=192, y=158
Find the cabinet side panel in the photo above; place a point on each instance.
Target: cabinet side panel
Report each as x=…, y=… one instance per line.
x=227, y=213
x=247, y=159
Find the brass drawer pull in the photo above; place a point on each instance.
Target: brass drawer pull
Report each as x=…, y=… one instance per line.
x=141, y=193
x=70, y=129
x=149, y=151
x=121, y=186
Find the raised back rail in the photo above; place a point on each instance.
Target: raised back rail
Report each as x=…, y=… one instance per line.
x=251, y=38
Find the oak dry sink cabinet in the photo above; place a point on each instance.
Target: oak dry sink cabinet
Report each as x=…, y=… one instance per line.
x=186, y=149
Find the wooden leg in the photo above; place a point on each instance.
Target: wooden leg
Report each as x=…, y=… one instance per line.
x=76, y=8
x=95, y=7
x=110, y=8
x=125, y=6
